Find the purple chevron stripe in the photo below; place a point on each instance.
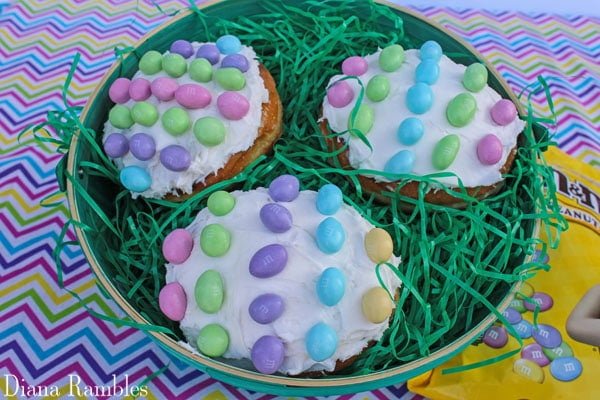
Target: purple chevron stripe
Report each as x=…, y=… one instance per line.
x=49, y=269
x=37, y=153
x=44, y=248
x=25, y=172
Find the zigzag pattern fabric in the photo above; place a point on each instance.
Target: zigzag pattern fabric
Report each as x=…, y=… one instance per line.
x=45, y=335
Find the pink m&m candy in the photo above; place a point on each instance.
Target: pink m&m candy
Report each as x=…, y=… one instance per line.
x=119, y=90
x=535, y=353
x=503, y=112
x=543, y=300
x=495, y=337
x=164, y=88
x=193, y=96
x=233, y=105
x=340, y=94
x=139, y=89
x=172, y=301
x=355, y=66
x=177, y=246
x=489, y=149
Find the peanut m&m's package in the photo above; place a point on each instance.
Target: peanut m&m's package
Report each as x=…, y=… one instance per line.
x=560, y=355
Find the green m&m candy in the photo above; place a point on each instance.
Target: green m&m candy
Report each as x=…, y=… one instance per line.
x=213, y=340
x=175, y=121
x=209, y=131
x=461, y=110
x=363, y=121
x=174, y=65
x=475, y=77
x=151, y=62
x=391, y=58
x=445, y=151
x=220, y=203
x=208, y=291
x=120, y=117
x=230, y=78
x=378, y=88
x=201, y=70
x=215, y=240
x=144, y=113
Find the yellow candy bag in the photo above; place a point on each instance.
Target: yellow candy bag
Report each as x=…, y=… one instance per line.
x=566, y=371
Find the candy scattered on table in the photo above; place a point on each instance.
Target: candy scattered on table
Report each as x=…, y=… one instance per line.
x=524, y=329
x=564, y=350
x=512, y=316
x=528, y=369
x=495, y=337
x=547, y=336
x=542, y=300
x=533, y=352
x=566, y=369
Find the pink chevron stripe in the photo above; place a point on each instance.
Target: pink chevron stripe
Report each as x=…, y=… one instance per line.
x=35, y=151
x=18, y=233
x=544, y=71
x=524, y=32
x=583, y=144
x=108, y=329
x=567, y=53
x=48, y=267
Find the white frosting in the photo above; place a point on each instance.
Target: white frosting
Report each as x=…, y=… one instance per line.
x=390, y=112
x=240, y=135
x=296, y=284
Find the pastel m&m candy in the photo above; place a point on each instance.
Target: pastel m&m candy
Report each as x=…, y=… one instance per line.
x=495, y=337
x=268, y=261
x=230, y=78
x=175, y=121
x=276, y=217
x=284, y=188
x=135, y=179
x=120, y=117
x=419, y=98
x=445, y=151
x=220, y=203
x=209, y=52
x=232, y=105
x=164, y=88
x=547, y=336
x=200, y=70
x=428, y=71
x=142, y=146
x=410, y=131
x=503, y=112
x=354, y=66
x=177, y=246
x=172, y=301
x=267, y=354
x=512, y=316
x=489, y=149
x=524, y=329
x=400, y=163
x=266, y=308
x=119, y=90
x=340, y=94
x=238, y=61
x=213, y=340
x=329, y=199
x=139, y=89
x=566, y=369
x=144, y=113
x=331, y=286
x=378, y=245
x=175, y=158
x=209, y=131
x=208, y=291
x=534, y=353
x=321, y=342
x=542, y=300
x=363, y=121
x=430, y=50
x=215, y=240
x=330, y=235
x=151, y=62
x=378, y=88
x=174, y=65
x=192, y=96
x=183, y=48
x=391, y=58
x=228, y=44
x=528, y=369
x=377, y=305
x=564, y=350
x=116, y=145
x=461, y=110
x=475, y=77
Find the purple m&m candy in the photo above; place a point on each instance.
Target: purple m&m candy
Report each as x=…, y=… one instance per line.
x=175, y=158
x=116, y=145
x=233, y=105
x=547, y=336
x=139, y=89
x=193, y=96
x=210, y=52
x=276, y=217
x=354, y=66
x=164, y=88
x=543, y=300
x=268, y=261
x=489, y=149
x=267, y=354
x=238, y=61
x=503, y=112
x=266, y=308
x=119, y=90
x=142, y=146
x=512, y=316
x=495, y=337
x=183, y=48
x=284, y=188
x=340, y=94
x=535, y=353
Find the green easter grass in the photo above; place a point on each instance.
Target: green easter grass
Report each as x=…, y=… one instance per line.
x=457, y=264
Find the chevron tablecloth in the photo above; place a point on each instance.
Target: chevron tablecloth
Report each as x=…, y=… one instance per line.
x=45, y=335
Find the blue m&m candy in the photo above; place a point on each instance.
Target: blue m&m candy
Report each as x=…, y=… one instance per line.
x=229, y=44
x=401, y=163
x=419, y=98
x=331, y=286
x=428, y=71
x=410, y=131
x=135, y=178
x=566, y=368
x=329, y=199
x=430, y=50
x=330, y=235
x=321, y=342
